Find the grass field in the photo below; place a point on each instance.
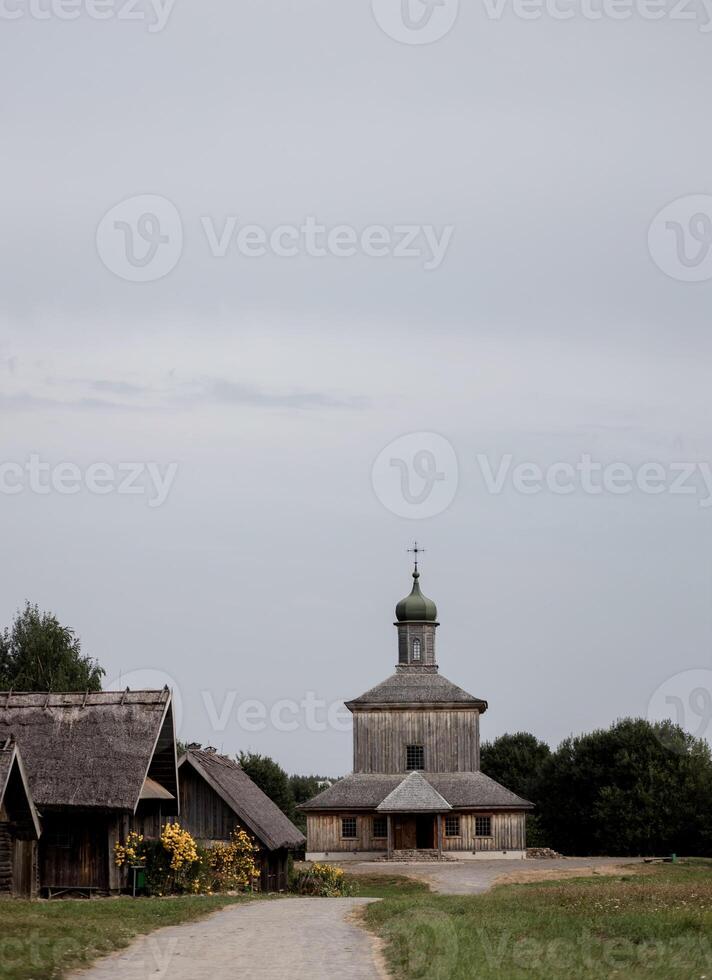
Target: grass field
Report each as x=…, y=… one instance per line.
x=655, y=922
x=386, y=886
x=42, y=940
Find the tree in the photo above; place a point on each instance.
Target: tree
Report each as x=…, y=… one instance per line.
x=271, y=779
x=37, y=653
x=517, y=761
x=635, y=788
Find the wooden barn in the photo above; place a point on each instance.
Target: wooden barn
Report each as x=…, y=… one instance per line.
x=217, y=796
x=97, y=765
x=20, y=827
x=416, y=789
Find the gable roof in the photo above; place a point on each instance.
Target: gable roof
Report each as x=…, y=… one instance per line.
x=244, y=797
x=93, y=749
x=414, y=795
x=15, y=792
x=417, y=687
x=461, y=790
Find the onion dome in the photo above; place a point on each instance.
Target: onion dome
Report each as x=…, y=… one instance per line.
x=416, y=607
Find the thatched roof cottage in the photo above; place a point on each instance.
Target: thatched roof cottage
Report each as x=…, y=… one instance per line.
x=20, y=826
x=98, y=765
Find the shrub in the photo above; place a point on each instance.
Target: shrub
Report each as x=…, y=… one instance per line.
x=321, y=880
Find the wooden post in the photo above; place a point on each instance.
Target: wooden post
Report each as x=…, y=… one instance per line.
x=440, y=835
x=390, y=839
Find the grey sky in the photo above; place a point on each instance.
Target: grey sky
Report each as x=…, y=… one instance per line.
x=548, y=332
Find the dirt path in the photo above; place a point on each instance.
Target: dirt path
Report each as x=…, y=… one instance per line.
x=476, y=877
x=310, y=938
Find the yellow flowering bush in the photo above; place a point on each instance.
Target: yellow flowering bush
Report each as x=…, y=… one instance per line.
x=323, y=880
x=233, y=865
x=131, y=851
x=180, y=846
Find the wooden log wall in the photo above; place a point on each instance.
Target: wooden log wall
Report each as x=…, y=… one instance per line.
x=6, y=859
x=450, y=738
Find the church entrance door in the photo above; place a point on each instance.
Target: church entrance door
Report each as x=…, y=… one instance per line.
x=425, y=833
x=410, y=833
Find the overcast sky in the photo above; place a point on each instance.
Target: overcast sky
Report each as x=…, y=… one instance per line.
x=545, y=318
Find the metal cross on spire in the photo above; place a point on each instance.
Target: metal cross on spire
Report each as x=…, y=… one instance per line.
x=416, y=550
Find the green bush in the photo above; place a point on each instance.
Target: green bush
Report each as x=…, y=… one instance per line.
x=322, y=881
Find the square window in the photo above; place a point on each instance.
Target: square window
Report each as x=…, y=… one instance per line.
x=348, y=828
x=483, y=826
x=380, y=828
x=452, y=825
x=415, y=758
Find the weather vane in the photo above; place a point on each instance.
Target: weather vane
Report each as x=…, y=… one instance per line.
x=416, y=550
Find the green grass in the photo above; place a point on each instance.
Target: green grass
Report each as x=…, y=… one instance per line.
x=655, y=922
x=386, y=886
x=42, y=940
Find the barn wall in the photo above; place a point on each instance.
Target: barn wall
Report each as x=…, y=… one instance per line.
x=74, y=850
x=324, y=833
x=6, y=859
x=508, y=834
x=450, y=738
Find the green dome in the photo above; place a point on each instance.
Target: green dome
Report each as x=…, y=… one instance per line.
x=416, y=606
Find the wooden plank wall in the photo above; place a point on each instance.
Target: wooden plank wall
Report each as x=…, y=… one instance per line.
x=450, y=738
x=203, y=812
x=508, y=834
x=324, y=833
x=74, y=850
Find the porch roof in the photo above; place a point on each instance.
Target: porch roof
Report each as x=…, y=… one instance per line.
x=414, y=795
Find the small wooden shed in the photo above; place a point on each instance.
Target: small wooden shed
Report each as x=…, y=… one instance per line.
x=217, y=796
x=20, y=827
x=98, y=765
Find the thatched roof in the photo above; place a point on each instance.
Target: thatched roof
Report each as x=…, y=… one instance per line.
x=93, y=749
x=416, y=687
x=15, y=794
x=251, y=806
x=414, y=795
x=461, y=790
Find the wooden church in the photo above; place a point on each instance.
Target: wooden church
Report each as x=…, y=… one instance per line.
x=416, y=789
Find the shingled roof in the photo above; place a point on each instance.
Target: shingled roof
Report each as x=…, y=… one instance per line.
x=15, y=794
x=253, y=807
x=414, y=795
x=93, y=749
x=461, y=790
x=417, y=687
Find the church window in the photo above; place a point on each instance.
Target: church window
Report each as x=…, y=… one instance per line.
x=348, y=828
x=452, y=825
x=416, y=649
x=483, y=826
x=380, y=828
x=415, y=758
